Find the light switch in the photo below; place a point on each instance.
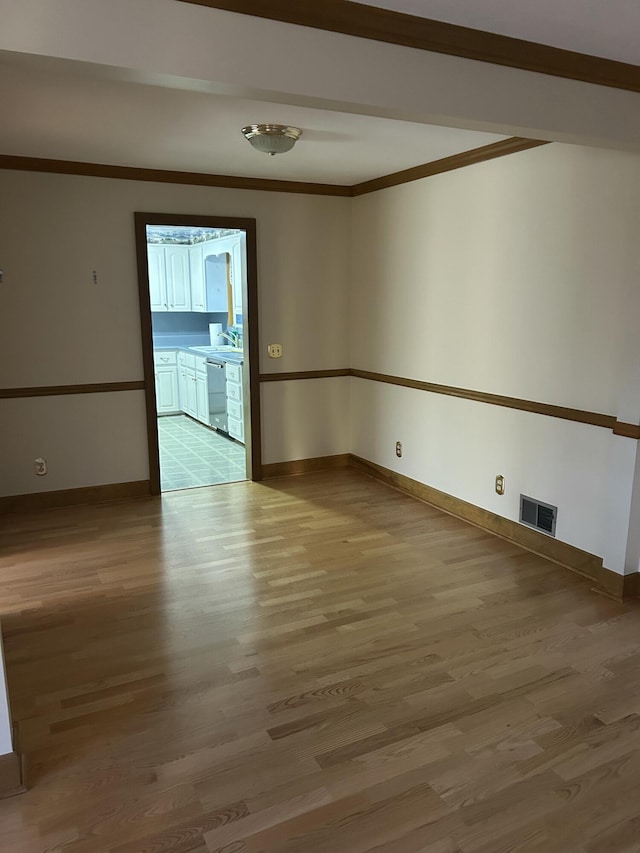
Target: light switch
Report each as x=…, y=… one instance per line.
x=275, y=350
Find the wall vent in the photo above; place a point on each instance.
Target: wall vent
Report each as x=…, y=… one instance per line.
x=539, y=515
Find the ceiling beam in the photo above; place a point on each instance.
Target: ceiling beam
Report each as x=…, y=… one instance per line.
x=372, y=22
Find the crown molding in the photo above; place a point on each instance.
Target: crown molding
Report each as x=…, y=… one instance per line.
x=512, y=145
x=167, y=176
x=371, y=22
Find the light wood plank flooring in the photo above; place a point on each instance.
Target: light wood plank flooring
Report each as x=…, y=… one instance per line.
x=316, y=664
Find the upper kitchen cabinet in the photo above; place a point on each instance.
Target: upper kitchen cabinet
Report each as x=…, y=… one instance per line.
x=209, y=278
x=178, y=278
x=233, y=246
x=169, y=277
x=238, y=272
x=196, y=272
x=204, y=277
x=157, y=278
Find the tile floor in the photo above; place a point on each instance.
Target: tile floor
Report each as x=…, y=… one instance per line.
x=194, y=455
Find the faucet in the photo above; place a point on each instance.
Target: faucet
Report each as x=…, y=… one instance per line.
x=233, y=338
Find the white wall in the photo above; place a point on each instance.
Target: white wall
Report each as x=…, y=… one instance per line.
x=313, y=418
x=58, y=328
x=515, y=277
x=87, y=440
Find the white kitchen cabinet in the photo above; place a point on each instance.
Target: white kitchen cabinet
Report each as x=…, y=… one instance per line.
x=235, y=419
x=167, y=398
x=182, y=387
x=217, y=282
x=157, y=278
x=234, y=247
x=202, y=398
x=165, y=357
x=202, y=393
x=206, y=297
x=196, y=272
x=236, y=429
x=235, y=422
x=187, y=382
x=210, y=267
x=186, y=359
x=190, y=402
x=238, y=274
x=178, y=277
x=166, y=381
x=169, y=277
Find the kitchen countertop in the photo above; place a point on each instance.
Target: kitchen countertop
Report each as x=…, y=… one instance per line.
x=199, y=352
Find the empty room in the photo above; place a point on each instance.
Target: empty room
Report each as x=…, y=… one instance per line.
x=319, y=426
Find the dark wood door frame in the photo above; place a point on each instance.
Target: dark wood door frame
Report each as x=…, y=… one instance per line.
x=251, y=343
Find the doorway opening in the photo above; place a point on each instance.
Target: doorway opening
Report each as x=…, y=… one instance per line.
x=198, y=301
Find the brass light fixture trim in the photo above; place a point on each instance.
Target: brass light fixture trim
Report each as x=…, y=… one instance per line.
x=272, y=138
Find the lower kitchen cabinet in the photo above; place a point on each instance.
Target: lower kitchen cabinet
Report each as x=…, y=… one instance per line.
x=181, y=384
x=236, y=429
x=166, y=381
x=167, y=397
x=194, y=399
x=190, y=402
x=187, y=383
x=235, y=423
x=202, y=394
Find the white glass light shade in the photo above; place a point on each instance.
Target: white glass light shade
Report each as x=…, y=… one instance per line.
x=272, y=138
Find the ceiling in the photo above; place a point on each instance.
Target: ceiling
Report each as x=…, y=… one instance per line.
x=68, y=111
x=608, y=29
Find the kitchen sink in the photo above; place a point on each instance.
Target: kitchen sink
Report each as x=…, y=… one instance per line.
x=220, y=349
x=227, y=357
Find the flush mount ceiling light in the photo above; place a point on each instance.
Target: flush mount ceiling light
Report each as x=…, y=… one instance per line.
x=272, y=138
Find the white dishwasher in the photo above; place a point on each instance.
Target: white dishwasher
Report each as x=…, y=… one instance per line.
x=217, y=391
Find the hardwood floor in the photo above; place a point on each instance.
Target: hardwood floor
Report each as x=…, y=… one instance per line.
x=316, y=664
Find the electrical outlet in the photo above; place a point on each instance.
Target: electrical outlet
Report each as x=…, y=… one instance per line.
x=40, y=466
x=275, y=350
x=499, y=484
x=398, y=449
